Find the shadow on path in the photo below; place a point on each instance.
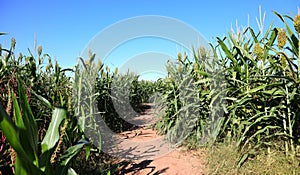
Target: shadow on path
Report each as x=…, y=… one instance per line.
x=143, y=152
x=137, y=168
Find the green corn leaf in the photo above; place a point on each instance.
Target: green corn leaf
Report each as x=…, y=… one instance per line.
x=51, y=138
x=88, y=151
x=260, y=131
x=272, y=37
x=253, y=34
x=243, y=53
x=255, y=89
x=214, y=50
x=233, y=40
x=292, y=95
x=24, y=165
x=43, y=100
x=52, y=134
x=17, y=113
x=265, y=37
x=71, y=171
x=20, y=167
x=10, y=131
x=83, y=63
x=28, y=136
x=274, y=92
x=241, y=101
x=70, y=154
x=226, y=50
x=270, y=42
x=202, y=73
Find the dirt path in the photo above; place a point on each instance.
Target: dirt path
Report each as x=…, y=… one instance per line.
x=153, y=156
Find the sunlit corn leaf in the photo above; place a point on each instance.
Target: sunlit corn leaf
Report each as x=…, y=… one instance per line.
x=52, y=134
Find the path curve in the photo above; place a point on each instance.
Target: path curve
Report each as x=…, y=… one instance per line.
x=168, y=161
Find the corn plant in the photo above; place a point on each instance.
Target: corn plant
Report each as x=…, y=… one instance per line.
x=85, y=96
x=41, y=81
x=109, y=98
x=262, y=88
x=22, y=134
x=192, y=107
x=120, y=97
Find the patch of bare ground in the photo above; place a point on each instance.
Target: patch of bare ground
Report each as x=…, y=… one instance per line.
x=164, y=160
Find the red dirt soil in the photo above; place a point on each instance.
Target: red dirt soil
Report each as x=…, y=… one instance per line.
x=166, y=161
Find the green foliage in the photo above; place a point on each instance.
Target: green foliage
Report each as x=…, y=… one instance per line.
x=243, y=90
x=23, y=137
x=46, y=85
x=190, y=96
x=119, y=97
x=248, y=95
x=85, y=96
x=264, y=88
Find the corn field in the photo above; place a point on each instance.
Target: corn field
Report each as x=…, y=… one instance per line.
x=257, y=94
x=244, y=90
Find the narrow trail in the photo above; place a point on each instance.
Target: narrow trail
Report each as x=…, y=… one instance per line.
x=150, y=155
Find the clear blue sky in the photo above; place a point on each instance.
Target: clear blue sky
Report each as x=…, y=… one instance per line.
x=64, y=28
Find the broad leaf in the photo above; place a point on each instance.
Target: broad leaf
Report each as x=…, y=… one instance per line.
x=52, y=134
x=70, y=154
x=29, y=136
x=23, y=164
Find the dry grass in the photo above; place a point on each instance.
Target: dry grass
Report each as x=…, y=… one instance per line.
x=223, y=159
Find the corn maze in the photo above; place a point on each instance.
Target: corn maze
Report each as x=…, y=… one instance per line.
x=248, y=95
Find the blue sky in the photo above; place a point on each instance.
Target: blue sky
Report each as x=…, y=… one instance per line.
x=64, y=28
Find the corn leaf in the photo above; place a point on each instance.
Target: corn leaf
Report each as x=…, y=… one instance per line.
x=29, y=136
x=70, y=154
x=52, y=134
x=24, y=164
